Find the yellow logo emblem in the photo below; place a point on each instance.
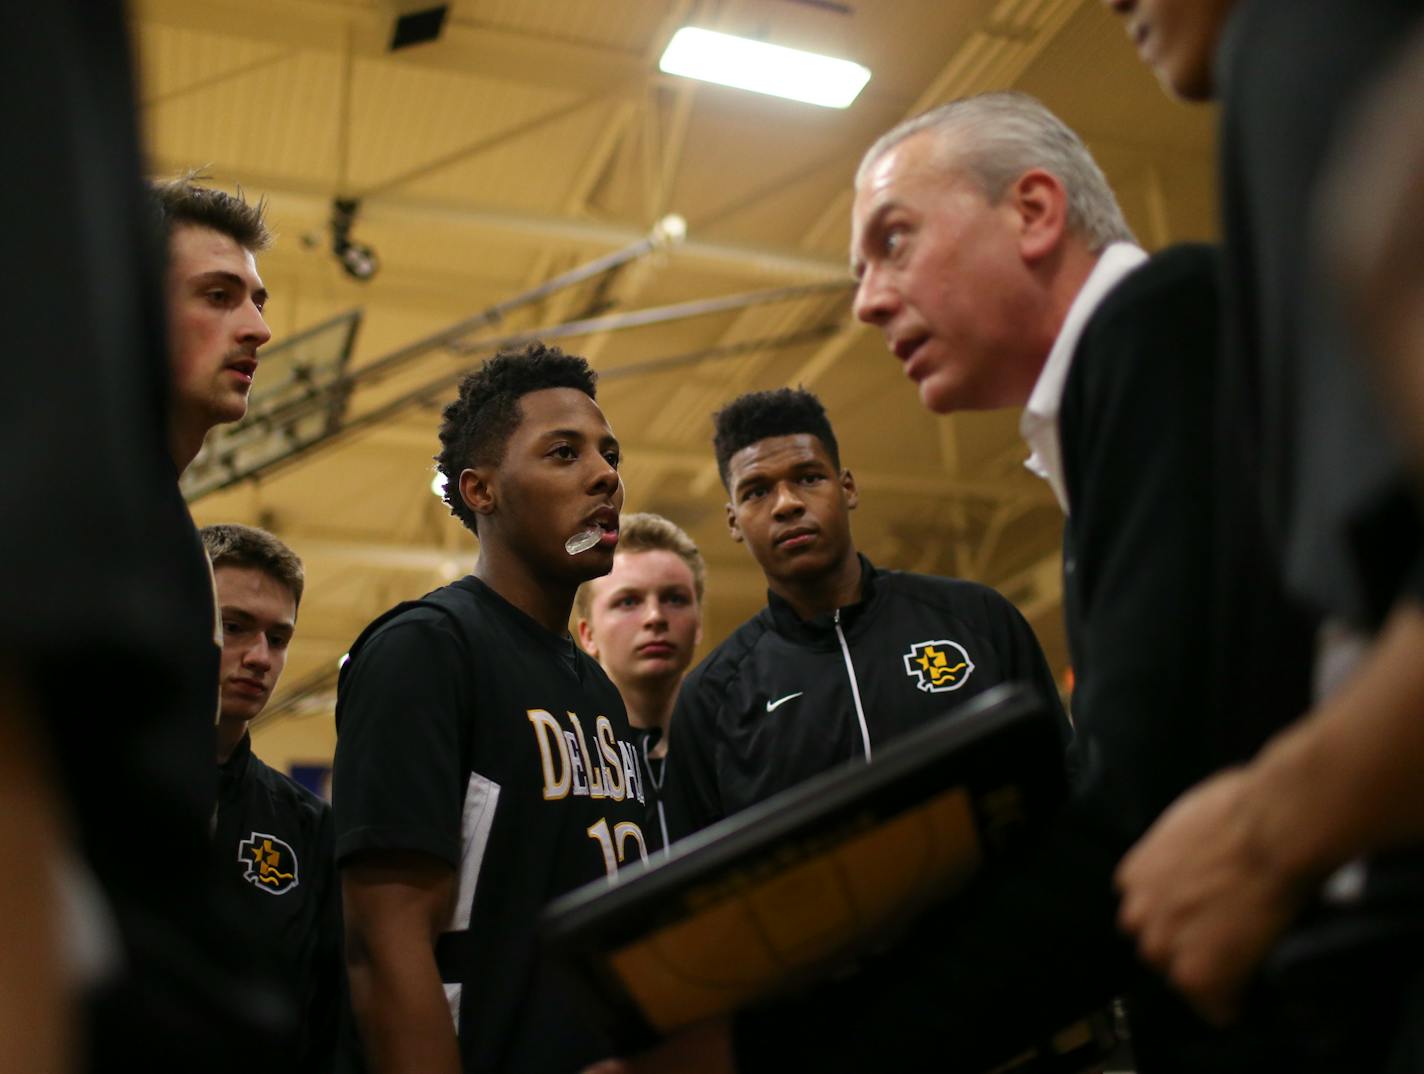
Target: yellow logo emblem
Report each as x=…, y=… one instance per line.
x=269, y=864
x=938, y=666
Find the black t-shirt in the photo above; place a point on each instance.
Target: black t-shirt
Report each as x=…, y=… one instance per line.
x=470, y=733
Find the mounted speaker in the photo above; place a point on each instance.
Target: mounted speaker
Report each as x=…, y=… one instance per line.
x=413, y=22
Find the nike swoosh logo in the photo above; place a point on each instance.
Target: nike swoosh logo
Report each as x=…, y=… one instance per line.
x=772, y=706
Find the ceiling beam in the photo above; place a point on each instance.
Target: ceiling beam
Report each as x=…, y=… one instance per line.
x=1035, y=590
x=928, y=486
x=485, y=52
x=514, y=131
x=991, y=58
x=806, y=376
x=292, y=197
x=324, y=552
x=599, y=158
x=220, y=77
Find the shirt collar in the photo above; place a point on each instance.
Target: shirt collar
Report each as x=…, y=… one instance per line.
x=1039, y=423
x=822, y=626
x=232, y=771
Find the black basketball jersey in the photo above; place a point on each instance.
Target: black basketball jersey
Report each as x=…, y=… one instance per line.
x=469, y=732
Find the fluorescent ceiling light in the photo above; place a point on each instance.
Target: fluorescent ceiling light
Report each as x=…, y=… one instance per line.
x=763, y=68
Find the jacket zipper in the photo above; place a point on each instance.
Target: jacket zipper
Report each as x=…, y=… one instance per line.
x=854, y=685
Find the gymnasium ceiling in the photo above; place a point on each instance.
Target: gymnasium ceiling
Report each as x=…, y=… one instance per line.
x=536, y=135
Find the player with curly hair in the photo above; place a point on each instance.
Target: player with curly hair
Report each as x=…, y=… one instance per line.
x=484, y=762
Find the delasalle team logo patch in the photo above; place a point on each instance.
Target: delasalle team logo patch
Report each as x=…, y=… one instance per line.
x=938, y=666
x=270, y=863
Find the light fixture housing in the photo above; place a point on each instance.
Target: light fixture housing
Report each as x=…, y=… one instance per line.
x=762, y=68
x=357, y=259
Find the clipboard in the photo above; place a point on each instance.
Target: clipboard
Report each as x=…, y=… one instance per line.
x=796, y=887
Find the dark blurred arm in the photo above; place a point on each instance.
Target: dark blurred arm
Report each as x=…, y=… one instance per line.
x=395, y=905
x=36, y=1010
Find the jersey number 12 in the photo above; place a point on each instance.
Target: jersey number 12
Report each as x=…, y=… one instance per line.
x=614, y=843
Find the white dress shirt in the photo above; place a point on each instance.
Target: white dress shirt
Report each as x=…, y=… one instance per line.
x=1039, y=424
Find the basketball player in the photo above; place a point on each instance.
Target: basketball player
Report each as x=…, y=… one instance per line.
x=846, y=655
x=272, y=838
x=215, y=303
x=485, y=763
x=641, y=622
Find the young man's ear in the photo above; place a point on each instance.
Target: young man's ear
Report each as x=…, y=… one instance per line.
x=585, y=638
x=732, y=527
x=852, y=497
x=477, y=490
x=1040, y=202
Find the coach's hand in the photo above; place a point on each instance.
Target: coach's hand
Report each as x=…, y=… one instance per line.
x=703, y=1049
x=1223, y=872
x=1204, y=897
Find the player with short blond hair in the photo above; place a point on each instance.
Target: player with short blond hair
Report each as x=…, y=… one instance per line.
x=641, y=622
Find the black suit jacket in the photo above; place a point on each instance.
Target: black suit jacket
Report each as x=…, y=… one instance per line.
x=1188, y=653
x=1164, y=594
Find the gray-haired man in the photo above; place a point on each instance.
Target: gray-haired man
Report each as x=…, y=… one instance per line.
x=992, y=255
